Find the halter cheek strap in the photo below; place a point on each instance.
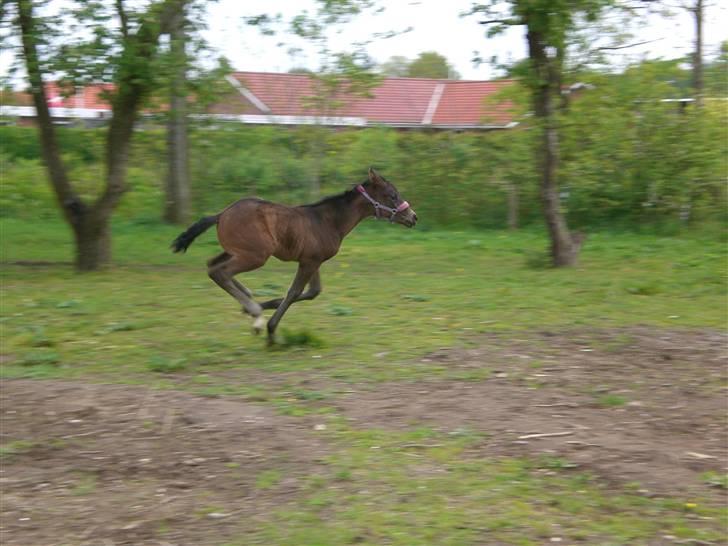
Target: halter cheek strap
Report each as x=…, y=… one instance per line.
x=404, y=205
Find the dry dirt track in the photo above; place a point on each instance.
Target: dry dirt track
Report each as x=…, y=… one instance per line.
x=112, y=465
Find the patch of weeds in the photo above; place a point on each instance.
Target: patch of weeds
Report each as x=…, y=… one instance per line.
x=308, y=396
x=303, y=338
x=618, y=343
x=343, y=475
x=117, y=327
x=341, y=310
x=163, y=364
x=40, y=358
x=40, y=339
x=270, y=289
x=414, y=297
x=232, y=465
x=474, y=374
x=291, y=408
x=207, y=510
x=15, y=448
x=714, y=479
x=644, y=289
x=268, y=479
x=68, y=304
x=538, y=260
x=611, y=401
x=85, y=485
x=556, y=463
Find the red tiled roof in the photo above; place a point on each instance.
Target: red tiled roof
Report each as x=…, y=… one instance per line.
x=466, y=103
x=89, y=96
x=399, y=102
x=396, y=101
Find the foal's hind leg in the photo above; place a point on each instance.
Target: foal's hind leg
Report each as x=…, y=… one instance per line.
x=221, y=270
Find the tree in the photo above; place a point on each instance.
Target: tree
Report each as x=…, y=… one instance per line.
x=186, y=85
x=716, y=73
x=431, y=64
x=123, y=54
x=177, y=187
x=396, y=67
x=548, y=27
x=697, y=9
x=341, y=76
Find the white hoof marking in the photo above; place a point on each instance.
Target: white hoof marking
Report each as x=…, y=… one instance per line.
x=258, y=323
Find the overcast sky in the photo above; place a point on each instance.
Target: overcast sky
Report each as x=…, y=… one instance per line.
x=437, y=26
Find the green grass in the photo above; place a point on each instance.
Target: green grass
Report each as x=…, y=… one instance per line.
x=390, y=297
x=423, y=488
x=611, y=401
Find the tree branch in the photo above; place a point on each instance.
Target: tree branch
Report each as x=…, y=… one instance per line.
x=613, y=48
x=123, y=18
x=71, y=204
x=132, y=85
x=501, y=22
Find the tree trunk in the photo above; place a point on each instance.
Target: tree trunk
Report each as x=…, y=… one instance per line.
x=177, y=202
x=90, y=224
x=93, y=244
x=698, y=82
x=513, y=202
x=545, y=89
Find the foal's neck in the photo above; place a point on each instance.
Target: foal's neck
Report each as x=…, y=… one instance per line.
x=344, y=212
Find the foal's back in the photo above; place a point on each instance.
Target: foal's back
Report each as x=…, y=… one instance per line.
x=255, y=227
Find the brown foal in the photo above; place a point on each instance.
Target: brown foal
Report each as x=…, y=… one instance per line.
x=252, y=230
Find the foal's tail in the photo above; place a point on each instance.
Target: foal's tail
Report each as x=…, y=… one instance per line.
x=185, y=239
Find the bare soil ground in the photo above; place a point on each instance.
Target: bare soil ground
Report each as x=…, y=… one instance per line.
x=113, y=465
x=120, y=465
x=635, y=406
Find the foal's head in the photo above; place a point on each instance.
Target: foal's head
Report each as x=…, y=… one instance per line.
x=386, y=200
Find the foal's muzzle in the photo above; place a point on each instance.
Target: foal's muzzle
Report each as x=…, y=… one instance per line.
x=409, y=218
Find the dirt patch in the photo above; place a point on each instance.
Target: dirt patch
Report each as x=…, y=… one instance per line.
x=99, y=464
x=111, y=465
x=640, y=406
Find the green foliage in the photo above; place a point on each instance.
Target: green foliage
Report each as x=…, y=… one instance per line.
x=416, y=291
x=431, y=64
x=629, y=160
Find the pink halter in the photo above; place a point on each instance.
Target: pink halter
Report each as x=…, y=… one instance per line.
x=404, y=205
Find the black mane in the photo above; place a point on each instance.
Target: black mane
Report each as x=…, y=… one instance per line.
x=344, y=197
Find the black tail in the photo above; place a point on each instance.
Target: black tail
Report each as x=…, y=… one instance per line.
x=185, y=239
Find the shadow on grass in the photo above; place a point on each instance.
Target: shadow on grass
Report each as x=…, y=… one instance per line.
x=290, y=340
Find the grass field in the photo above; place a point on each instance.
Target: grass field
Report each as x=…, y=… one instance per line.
x=392, y=299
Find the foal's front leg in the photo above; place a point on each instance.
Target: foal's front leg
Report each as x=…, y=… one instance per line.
x=303, y=275
x=314, y=289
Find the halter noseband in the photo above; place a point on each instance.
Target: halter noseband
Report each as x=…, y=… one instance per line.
x=404, y=205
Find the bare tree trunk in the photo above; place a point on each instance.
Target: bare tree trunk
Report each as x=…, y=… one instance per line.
x=76, y=212
x=564, y=248
x=177, y=202
x=318, y=150
x=698, y=82
x=93, y=244
x=513, y=204
x=90, y=223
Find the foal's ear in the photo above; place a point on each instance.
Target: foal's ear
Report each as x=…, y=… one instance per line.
x=374, y=176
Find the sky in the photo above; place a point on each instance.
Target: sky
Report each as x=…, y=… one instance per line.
x=437, y=26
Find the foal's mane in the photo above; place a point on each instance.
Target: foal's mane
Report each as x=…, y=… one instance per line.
x=344, y=196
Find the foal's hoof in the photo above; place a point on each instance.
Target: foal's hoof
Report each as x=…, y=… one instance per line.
x=258, y=324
